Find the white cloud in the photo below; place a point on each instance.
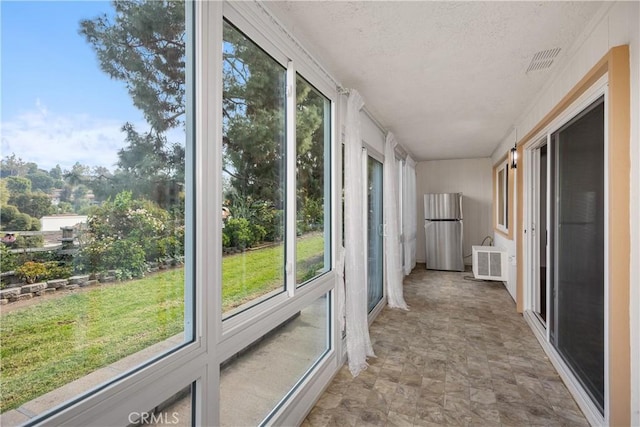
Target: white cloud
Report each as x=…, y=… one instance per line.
x=46, y=138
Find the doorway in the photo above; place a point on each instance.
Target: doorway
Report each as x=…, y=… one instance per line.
x=539, y=232
x=578, y=247
x=567, y=244
x=375, y=248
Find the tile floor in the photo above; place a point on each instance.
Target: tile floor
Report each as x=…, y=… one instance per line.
x=462, y=355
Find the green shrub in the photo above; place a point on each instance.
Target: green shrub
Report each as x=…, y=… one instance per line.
x=239, y=232
x=7, y=259
x=127, y=258
x=55, y=270
x=31, y=271
x=90, y=256
x=270, y=219
x=123, y=255
x=311, y=215
x=170, y=247
x=259, y=233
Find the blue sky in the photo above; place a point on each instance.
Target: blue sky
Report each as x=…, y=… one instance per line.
x=57, y=106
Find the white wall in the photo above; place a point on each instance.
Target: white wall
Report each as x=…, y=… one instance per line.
x=616, y=24
x=510, y=245
x=54, y=222
x=472, y=178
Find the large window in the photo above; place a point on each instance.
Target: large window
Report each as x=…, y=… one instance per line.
x=166, y=216
x=313, y=137
x=501, y=188
x=276, y=183
x=267, y=370
x=253, y=173
x=96, y=254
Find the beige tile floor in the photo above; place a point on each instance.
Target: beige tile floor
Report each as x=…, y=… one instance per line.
x=462, y=355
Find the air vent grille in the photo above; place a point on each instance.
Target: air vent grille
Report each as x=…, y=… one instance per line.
x=543, y=59
x=489, y=263
x=483, y=264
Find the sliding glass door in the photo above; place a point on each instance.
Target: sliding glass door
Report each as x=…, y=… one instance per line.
x=539, y=231
x=375, y=278
x=578, y=209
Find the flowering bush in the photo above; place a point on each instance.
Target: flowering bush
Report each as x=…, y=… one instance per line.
x=135, y=221
x=31, y=271
x=126, y=257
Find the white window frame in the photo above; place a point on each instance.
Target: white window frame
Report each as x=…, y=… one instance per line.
x=198, y=362
x=504, y=184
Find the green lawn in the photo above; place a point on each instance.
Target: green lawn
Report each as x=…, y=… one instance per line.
x=52, y=343
x=49, y=344
x=253, y=273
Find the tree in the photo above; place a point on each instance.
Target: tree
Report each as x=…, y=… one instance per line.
x=143, y=45
x=64, y=207
x=41, y=180
x=310, y=155
x=254, y=135
x=11, y=219
x=13, y=166
x=17, y=190
x=18, y=184
x=4, y=193
x=78, y=174
x=36, y=205
x=56, y=172
x=254, y=121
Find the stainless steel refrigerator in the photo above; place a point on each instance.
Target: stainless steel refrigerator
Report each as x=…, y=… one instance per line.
x=443, y=231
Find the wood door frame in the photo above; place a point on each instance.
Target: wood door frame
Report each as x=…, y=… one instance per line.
x=616, y=65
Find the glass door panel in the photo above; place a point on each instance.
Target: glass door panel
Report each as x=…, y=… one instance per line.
x=579, y=247
x=540, y=158
x=375, y=278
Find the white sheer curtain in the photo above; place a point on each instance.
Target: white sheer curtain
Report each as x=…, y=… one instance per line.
x=357, y=326
x=393, y=256
x=340, y=287
x=410, y=213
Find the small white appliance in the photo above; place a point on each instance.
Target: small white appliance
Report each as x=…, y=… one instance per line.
x=489, y=263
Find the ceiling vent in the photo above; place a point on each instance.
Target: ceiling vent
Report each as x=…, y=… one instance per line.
x=543, y=59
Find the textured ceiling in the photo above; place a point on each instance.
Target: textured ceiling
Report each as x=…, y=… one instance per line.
x=447, y=78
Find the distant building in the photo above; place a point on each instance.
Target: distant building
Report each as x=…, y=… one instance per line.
x=55, y=196
x=54, y=222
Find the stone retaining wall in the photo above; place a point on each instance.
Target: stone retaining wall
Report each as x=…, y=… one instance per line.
x=22, y=292
x=19, y=293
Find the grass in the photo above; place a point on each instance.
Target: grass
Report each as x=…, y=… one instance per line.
x=53, y=342
x=251, y=274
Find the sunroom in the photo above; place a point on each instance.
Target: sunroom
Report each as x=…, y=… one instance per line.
x=246, y=181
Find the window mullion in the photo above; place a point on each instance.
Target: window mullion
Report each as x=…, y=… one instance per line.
x=290, y=187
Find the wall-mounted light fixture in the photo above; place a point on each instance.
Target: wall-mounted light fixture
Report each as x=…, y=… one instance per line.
x=514, y=153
